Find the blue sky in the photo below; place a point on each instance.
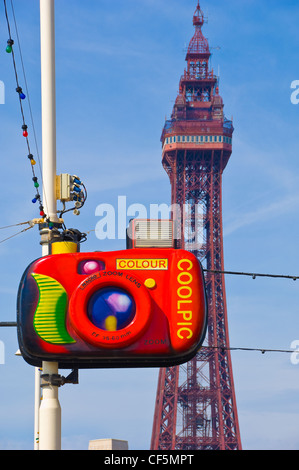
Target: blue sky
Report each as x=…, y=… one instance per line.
x=118, y=69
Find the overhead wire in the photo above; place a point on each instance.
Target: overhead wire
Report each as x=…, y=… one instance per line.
x=15, y=225
x=253, y=275
x=14, y=235
x=261, y=350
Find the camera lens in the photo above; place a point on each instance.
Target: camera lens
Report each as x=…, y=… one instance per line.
x=111, y=309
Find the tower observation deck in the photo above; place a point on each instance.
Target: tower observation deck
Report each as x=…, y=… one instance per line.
x=195, y=404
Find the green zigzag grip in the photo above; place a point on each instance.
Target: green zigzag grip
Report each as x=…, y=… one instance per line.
x=49, y=318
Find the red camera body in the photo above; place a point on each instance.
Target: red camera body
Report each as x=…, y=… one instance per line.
x=132, y=308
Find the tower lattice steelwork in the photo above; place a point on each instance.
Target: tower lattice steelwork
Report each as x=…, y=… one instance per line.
x=195, y=404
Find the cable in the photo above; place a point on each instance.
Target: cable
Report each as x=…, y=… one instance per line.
x=78, y=204
x=16, y=225
x=73, y=235
x=12, y=236
x=253, y=275
x=262, y=350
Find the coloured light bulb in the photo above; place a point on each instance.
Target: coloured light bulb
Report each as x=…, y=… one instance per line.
x=42, y=214
x=36, y=185
x=21, y=94
x=25, y=133
x=10, y=43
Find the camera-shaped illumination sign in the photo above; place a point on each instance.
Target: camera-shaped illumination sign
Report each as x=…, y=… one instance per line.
x=132, y=308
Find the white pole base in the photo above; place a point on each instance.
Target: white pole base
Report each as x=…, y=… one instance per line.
x=50, y=413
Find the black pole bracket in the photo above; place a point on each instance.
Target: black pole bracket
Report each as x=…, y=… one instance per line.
x=57, y=380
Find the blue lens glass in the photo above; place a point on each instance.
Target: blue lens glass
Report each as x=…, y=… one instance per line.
x=111, y=309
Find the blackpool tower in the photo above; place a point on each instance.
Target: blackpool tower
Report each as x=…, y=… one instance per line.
x=195, y=405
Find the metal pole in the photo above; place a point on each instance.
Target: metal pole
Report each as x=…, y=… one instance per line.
x=37, y=391
x=49, y=411
x=48, y=91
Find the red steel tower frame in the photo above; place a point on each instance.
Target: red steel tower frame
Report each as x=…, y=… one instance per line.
x=195, y=405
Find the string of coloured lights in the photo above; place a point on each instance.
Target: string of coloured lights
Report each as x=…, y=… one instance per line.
x=22, y=97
